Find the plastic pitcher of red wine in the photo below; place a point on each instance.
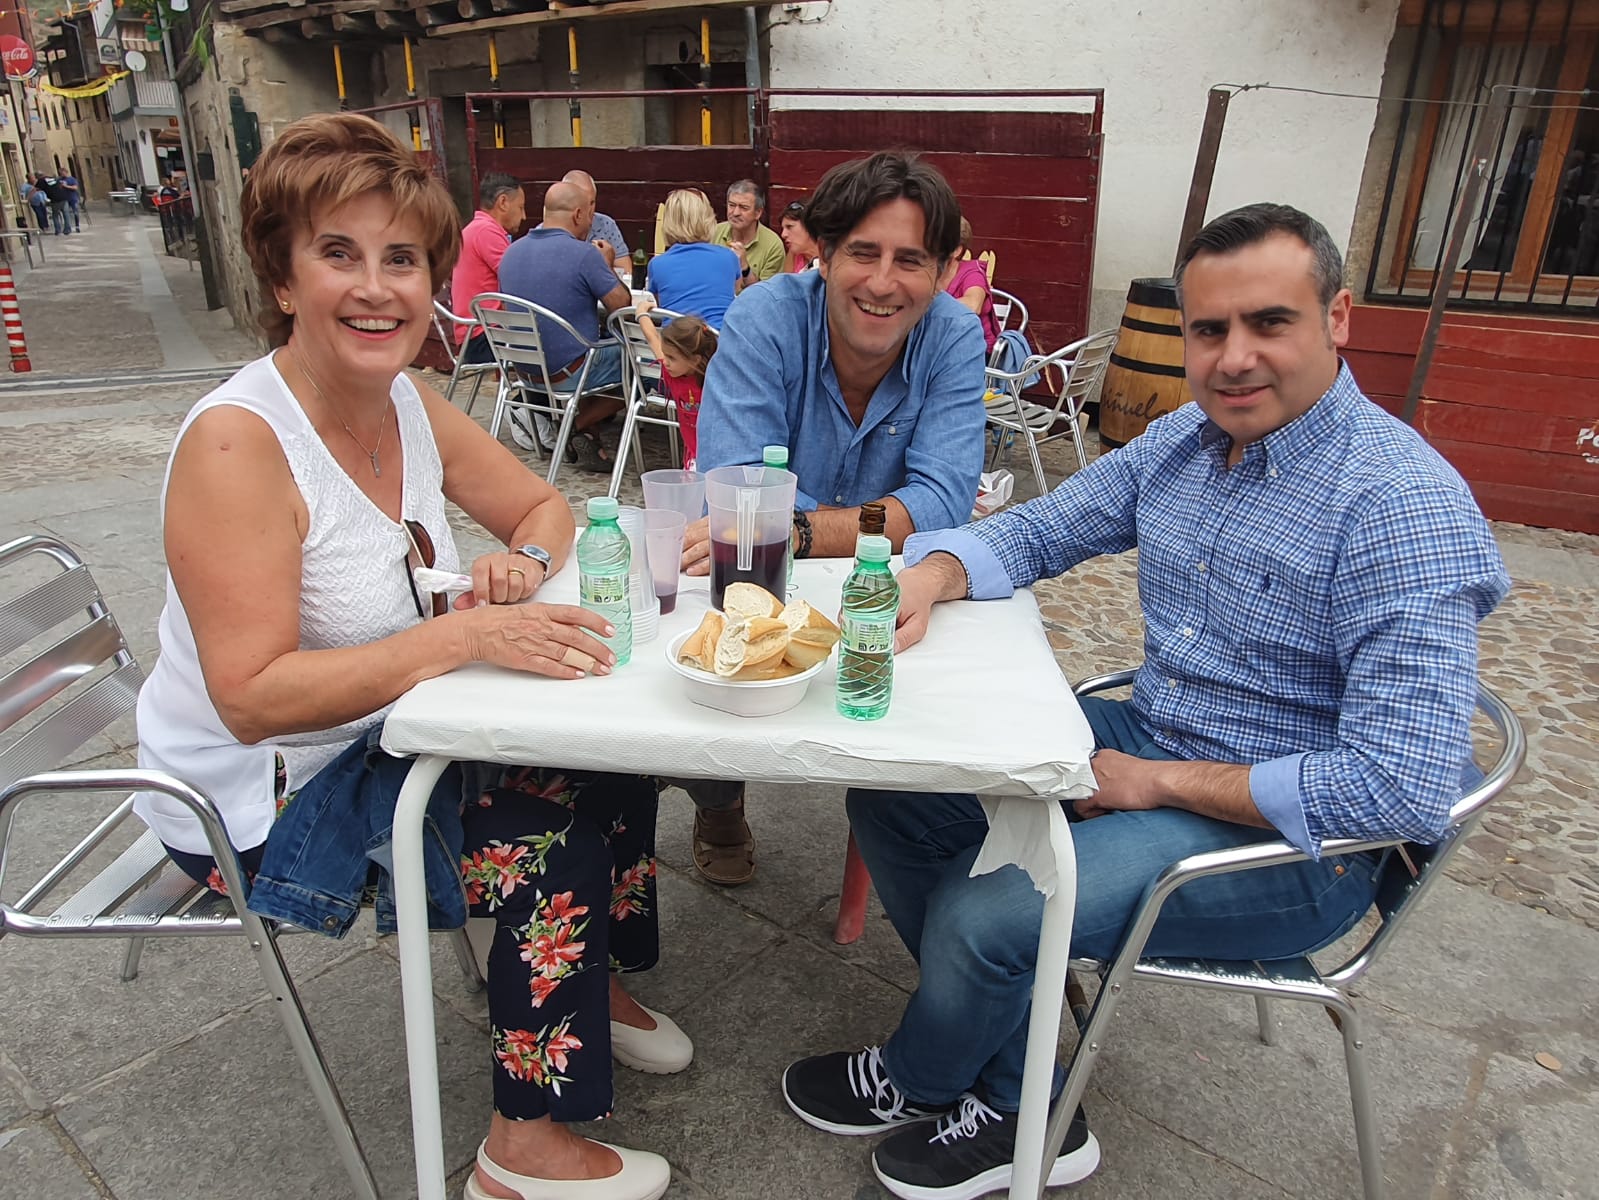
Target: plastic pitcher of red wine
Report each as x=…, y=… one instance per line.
x=751, y=517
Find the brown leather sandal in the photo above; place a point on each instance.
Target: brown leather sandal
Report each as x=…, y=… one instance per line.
x=724, y=847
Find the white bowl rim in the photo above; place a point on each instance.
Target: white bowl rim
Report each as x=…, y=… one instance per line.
x=699, y=676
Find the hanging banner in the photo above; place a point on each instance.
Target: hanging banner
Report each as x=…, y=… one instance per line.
x=98, y=88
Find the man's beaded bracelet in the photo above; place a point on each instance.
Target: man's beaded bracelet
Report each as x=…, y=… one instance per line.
x=802, y=526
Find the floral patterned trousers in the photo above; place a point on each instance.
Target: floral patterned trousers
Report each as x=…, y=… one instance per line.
x=564, y=862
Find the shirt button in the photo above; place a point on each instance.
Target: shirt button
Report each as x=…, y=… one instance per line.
x=838, y=499
x=891, y=429
x=1171, y=683
x=1199, y=567
x=1188, y=631
x=330, y=923
x=1272, y=471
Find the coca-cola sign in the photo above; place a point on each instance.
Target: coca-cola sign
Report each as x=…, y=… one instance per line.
x=17, y=56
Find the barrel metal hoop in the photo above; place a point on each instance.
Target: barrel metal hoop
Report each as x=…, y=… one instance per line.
x=1148, y=368
x=1151, y=327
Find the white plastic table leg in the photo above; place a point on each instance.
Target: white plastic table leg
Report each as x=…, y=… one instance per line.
x=1028, y=1173
x=416, y=974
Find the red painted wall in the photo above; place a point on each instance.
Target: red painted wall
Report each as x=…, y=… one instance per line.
x=1512, y=402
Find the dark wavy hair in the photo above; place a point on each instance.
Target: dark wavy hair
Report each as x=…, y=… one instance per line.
x=323, y=162
x=851, y=190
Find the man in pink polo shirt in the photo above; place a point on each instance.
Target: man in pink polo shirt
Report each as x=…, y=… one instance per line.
x=502, y=207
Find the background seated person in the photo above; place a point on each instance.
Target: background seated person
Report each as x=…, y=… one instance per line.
x=556, y=267
x=693, y=276
x=970, y=286
x=797, y=240
x=1311, y=575
x=760, y=251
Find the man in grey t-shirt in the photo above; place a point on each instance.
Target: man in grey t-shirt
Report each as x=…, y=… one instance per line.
x=604, y=233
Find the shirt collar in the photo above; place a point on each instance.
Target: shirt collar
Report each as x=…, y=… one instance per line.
x=1281, y=447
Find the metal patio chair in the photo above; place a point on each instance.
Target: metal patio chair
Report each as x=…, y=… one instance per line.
x=529, y=382
x=1011, y=314
x=1410, y=872
x=640, y=369
x=1080, y=369
x=51, y=703
x=447, y=325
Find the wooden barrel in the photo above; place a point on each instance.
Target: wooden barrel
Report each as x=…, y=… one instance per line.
x=1145, y=377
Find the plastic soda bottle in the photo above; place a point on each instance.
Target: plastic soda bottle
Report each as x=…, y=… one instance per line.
x=604, y=562
x=777, y=456
x=866, y=651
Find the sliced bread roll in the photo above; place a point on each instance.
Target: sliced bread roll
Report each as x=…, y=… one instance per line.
x=811, y=635
x=742, y=601
x=751, y=646
x=700, y=649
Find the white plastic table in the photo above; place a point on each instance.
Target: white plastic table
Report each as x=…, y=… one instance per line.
x=979, y=706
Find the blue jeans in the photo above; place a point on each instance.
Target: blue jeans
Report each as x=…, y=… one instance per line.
x=976, y=940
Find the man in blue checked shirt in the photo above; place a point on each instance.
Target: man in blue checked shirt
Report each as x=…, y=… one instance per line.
x=871, y=376
x=1311, y=575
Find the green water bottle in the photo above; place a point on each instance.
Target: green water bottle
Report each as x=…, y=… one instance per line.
x=866, y=651
x=604, y=563
x=777, y=456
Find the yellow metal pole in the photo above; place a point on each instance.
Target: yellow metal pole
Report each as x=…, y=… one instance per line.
x=494, y=81
x=705, y=80
x=410, y=94
x=576, y=108
x=338, y=74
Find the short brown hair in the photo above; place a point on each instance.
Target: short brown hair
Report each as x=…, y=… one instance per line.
x=324, y=161
x=849, y=191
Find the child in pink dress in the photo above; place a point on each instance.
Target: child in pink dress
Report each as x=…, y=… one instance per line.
x=684, y=348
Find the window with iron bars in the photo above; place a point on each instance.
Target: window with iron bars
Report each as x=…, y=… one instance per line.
x=1532, y=241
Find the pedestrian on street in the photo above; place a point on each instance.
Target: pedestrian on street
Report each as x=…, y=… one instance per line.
x=74, y=198
x=40, y=200
x=57, y=191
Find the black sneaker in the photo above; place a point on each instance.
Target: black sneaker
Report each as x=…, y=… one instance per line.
x=969, y=1153
x=849, y=1094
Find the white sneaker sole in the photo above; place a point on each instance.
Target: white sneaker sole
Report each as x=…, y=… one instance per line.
x=816, y=1122
x=1068, y=1169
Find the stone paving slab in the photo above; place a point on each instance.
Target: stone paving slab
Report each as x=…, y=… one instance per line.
x=37, y=1165
x=227, y=1112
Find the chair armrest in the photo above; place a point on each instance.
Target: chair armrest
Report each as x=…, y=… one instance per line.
x=130, y=780
x=1104, y=683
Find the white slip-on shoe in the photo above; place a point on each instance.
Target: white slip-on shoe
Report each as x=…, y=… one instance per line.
x=644, y=1176
x=664, y=1050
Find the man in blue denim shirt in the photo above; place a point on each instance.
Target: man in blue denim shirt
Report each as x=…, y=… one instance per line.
x=873, y=379
x=1311, y=575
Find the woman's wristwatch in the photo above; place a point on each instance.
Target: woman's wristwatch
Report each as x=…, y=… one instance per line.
x=538, y=554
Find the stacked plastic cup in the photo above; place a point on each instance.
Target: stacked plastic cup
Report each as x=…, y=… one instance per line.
x=641, y=584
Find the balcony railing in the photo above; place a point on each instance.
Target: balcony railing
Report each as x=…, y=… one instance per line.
x=156, y=97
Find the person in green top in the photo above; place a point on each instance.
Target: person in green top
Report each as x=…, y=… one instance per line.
x=759, y=249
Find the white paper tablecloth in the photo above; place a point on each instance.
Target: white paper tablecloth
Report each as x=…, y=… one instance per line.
x=979, y=706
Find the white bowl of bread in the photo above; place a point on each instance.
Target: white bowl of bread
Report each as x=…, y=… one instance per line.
x=757, y=656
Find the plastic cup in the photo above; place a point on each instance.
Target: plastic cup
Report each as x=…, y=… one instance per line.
x=676, y=491
x=663, y=536
x=641, y=590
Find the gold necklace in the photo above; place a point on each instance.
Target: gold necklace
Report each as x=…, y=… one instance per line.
x=383, y=424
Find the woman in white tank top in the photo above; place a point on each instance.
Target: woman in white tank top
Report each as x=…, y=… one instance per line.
x=299, y=496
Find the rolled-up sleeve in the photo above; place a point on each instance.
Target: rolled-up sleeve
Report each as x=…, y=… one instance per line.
x=946, y=451
x=1406, y=634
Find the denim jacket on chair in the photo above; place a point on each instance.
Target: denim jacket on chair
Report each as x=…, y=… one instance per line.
x=320, y=852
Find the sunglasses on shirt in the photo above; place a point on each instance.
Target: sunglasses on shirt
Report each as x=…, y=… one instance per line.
x=421, y=553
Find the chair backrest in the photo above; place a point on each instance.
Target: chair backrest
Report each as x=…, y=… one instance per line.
x=988, y=258
x=445, y=323
x=637, y=357
x=1088, y=368
x=1411, y=869
x=69, y=673
x=515, y=334
x=1009, y=311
